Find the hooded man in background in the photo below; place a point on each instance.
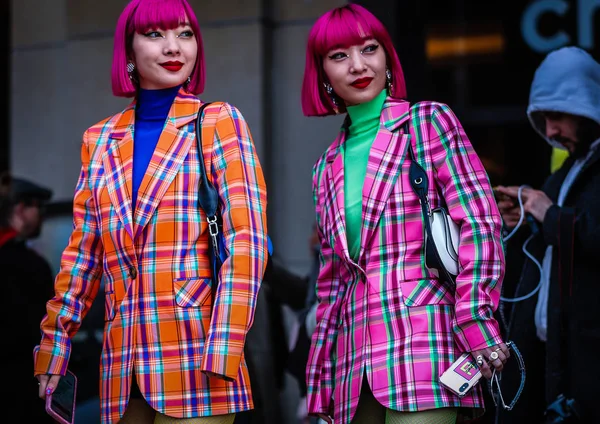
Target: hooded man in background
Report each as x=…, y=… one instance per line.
x=557, y=328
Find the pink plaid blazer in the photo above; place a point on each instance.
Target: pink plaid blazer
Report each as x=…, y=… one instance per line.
x=386, y=316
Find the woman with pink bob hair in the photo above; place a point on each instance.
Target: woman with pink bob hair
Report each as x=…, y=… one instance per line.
x=390, y=318
x=173, y=349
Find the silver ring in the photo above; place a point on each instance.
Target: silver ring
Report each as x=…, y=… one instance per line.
x=479, y=360
x=493, y=356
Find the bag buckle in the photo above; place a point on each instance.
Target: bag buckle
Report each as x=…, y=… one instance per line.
x=213, y=227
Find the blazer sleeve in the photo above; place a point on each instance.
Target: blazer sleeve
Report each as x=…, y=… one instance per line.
x=77, y=282
x=320, y=372
x=243, y=194
x=471, y=203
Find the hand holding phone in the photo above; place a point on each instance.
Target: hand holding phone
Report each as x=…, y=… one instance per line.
x=507, y=205
x=60, y=404
x=500, y=195
x=462, y=375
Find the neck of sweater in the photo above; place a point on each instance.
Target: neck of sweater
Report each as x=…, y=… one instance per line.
x=365, y=120
x=365, y=117
x=155, y=104
x=151, y=111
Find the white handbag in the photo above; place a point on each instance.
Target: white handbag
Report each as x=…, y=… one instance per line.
x=441, y=232
x=445, y=234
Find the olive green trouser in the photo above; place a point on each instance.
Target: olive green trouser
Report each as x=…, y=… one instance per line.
x=370, y=411
x=139, y=412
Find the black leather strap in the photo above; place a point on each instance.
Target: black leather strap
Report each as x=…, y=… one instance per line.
x=419, y=183
x=208, y=197
x=208, y=200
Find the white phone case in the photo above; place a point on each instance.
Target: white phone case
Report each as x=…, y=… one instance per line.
x=462, y=375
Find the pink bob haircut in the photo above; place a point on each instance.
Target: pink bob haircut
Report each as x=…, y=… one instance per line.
x=140, y=16
x=342, y=27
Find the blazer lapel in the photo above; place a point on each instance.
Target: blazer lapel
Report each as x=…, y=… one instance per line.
x=335, y=194
x=385, y=159
x=118, y=165
x=171, y=150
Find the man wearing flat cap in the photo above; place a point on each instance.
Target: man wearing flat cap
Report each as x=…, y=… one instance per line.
x=27, y=279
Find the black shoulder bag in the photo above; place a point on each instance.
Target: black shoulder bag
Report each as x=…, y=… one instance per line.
x=208, y=200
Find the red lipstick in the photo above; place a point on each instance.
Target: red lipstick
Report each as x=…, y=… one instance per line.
x=362, y=82
x=172, y=66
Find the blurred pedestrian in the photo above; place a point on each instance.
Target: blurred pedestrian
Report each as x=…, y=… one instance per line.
x=555, y=320
x=27, y=277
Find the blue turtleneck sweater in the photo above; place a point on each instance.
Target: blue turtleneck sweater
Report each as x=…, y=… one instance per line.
x=151, y=113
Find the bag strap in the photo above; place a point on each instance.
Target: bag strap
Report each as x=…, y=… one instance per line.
x=208, y=200
x=419, y=182
x=208, y=197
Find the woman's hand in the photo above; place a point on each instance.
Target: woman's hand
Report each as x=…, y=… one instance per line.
x=48, y=383
x=493, y=357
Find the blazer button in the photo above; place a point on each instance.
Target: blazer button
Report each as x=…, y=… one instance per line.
x=133, y=273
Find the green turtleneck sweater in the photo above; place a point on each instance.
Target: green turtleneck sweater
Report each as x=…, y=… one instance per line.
x=364, y=119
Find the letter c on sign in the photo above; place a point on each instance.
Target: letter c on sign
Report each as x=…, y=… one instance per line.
x=529, y=24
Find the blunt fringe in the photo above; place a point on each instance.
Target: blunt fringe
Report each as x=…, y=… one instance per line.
x=140, y=16
x=343, y=26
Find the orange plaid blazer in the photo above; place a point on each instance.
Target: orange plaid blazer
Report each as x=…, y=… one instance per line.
x=153, y=261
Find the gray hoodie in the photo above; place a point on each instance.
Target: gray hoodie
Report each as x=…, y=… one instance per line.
x=567, y=81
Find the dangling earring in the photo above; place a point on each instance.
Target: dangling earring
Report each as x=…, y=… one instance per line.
x=130, y=69
x=331, y=94
x=388, y=77
x=188, y=80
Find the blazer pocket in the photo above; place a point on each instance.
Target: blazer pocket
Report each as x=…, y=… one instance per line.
x=190, y=292
x=109, y=306
x=426, y=292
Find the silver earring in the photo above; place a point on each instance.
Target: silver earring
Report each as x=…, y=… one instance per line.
x=188, y=80
x=329, y=90
x=130, y=69
x=388, y=77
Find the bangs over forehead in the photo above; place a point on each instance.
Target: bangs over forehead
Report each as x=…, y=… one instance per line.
x=345, y=28
x=157, y=14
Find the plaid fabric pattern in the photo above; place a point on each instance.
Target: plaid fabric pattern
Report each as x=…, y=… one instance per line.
x=154, y=262
x=387, y=316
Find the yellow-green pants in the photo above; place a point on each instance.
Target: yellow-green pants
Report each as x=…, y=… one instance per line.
x=139, y=412
x=370, y=411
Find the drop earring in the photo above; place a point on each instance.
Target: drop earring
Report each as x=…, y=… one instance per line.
x=331, y=94
x=388, y=78
x=130, y=70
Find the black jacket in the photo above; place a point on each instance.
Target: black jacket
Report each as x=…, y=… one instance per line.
x=568, y=362
x=28, y=280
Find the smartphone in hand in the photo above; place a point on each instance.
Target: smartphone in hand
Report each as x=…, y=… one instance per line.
x=60, y=405
x=501, y=196
x=462, y=375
